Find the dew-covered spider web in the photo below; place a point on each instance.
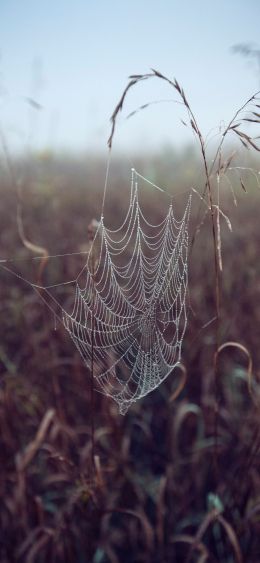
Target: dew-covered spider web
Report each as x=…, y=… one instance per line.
x=129, y=313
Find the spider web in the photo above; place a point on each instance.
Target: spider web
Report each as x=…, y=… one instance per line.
x=129, y=313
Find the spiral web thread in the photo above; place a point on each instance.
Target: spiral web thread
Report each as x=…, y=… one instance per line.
x=129, y=313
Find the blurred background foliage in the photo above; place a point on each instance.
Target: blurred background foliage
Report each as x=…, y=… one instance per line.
x=162, y=488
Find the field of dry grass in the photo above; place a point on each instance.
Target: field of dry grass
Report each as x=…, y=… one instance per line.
x=173, y=480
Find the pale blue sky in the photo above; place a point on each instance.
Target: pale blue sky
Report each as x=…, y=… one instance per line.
x=74, y=57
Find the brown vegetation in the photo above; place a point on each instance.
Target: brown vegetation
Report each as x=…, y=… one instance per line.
x=177, y=478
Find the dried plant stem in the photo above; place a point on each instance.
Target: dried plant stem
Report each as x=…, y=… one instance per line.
x=212, y=207
x=18, y=188
x=214, y=233
x=217, y=304
x=134, y=79
x=217, y=267
x=173, y=83
x=92, y=400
